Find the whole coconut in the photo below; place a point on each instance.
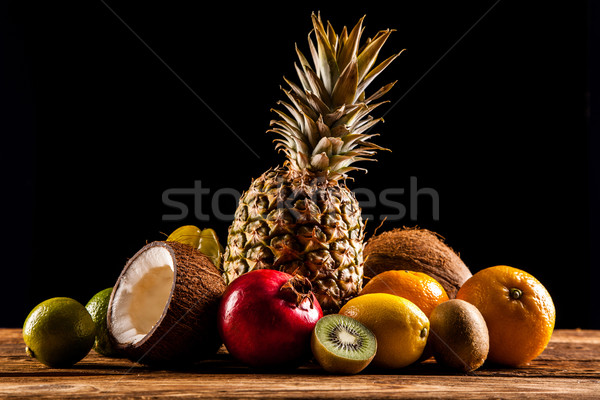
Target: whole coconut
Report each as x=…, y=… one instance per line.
x=416, y=249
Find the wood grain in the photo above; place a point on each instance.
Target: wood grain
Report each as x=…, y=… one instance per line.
x=569, y=368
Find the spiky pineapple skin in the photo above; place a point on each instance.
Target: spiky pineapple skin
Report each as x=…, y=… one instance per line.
x=301, y=218
x=300, y=224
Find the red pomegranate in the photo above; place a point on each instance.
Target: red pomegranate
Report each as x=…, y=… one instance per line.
x=266, y=318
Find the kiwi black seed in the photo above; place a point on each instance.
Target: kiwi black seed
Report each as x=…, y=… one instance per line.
x=459, y=335
x=342, y=345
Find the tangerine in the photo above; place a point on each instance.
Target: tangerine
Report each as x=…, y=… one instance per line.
x=517, y=309
x=419, y=288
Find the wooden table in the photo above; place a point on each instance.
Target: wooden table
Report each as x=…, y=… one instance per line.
x=569, y=368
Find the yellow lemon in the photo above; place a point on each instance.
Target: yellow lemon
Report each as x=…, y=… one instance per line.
x=401, y=328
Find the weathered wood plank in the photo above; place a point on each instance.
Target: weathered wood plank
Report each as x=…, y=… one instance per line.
x=312, y=386
x=569, y=368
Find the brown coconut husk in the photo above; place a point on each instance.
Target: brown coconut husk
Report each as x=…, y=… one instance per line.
x=187, y=330
x=419, y=250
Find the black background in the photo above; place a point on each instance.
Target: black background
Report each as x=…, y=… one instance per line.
x=491, y=113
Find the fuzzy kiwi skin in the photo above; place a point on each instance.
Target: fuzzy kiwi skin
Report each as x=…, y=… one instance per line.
x=416, y=249
x=335, y=364
x=459, y=336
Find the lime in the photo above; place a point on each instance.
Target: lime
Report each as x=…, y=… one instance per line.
x=59, y=332
x=97, y=307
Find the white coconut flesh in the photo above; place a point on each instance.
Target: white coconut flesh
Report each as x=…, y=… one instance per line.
x=142, y=295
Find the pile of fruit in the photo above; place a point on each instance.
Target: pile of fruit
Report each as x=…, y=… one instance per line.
x=289, y=286
x=268, y=318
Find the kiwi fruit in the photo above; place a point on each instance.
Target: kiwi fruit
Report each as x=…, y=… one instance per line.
x=416, y=249
x=342, y=345
x=459, y=336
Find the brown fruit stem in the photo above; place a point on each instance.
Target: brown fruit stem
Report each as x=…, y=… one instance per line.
x=296, y=289
x=515, y=293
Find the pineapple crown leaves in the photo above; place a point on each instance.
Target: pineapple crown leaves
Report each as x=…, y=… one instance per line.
x=325, y=122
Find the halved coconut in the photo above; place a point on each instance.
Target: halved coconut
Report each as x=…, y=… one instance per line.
x=163, y=308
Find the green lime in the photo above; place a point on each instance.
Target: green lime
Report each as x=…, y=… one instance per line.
x=59, y=332
x=97, y=307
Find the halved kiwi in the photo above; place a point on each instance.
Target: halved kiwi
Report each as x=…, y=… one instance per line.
x=342, y=345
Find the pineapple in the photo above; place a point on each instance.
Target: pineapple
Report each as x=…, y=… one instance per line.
x=301, y=218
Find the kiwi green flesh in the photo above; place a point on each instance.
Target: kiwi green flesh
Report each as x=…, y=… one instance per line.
x=346, y=337
x=342, y=345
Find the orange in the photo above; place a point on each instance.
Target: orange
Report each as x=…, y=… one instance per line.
x=417, y=287
x=517, y=309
